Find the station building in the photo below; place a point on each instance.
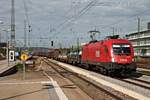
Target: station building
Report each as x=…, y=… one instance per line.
x=141, y=42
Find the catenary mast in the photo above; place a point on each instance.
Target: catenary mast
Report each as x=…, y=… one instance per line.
x=12, y=24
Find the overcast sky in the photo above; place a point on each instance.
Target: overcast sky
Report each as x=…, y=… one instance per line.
x=63, y=21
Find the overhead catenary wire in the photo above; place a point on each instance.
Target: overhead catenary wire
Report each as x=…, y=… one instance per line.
x=68, y=22
x=82, y=12
x=122, y=20
x=75, y=17
x=109, y=25
x=87, y=7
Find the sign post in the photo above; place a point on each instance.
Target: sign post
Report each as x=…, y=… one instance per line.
x=24, y=70
x=24, y=57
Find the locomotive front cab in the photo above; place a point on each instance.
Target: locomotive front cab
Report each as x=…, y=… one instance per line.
x=123, y=57
x=122, y=53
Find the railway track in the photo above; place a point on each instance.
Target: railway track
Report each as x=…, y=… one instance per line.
x=134, y=81
x=147, y=73
x=87, y=86
x=143, y=81
x=137, y=82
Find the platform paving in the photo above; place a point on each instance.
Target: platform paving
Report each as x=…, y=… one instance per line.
x=5, y=65
x=28, y=90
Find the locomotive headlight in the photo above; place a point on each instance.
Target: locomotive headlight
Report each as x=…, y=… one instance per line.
x=113, y=60
x=133, y=59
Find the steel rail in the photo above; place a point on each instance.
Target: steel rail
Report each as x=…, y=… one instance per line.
x=78, y=76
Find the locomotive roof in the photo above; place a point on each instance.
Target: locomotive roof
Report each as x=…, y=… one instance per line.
x=109, y=40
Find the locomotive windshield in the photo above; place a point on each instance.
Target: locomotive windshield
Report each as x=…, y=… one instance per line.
x=119, y=49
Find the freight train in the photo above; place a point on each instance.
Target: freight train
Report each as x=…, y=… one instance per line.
x=109, y=56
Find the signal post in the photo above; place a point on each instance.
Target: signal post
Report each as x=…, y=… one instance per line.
x=24, y=57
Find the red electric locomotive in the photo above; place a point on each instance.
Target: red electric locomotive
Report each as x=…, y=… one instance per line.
x=109, y=56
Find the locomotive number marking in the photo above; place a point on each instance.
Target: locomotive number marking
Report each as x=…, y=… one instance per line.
x=123, y=59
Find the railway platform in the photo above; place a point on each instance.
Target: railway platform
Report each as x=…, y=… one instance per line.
x=53, y=80
x=39, y=85
x=119, y=85
x=5, y=65
x=29, y=89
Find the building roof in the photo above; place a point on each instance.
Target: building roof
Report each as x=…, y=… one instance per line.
x=146, y=31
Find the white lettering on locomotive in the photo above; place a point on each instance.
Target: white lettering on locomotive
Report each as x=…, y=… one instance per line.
x=97, y=53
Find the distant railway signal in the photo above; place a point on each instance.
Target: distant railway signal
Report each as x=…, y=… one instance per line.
x=52, y=43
